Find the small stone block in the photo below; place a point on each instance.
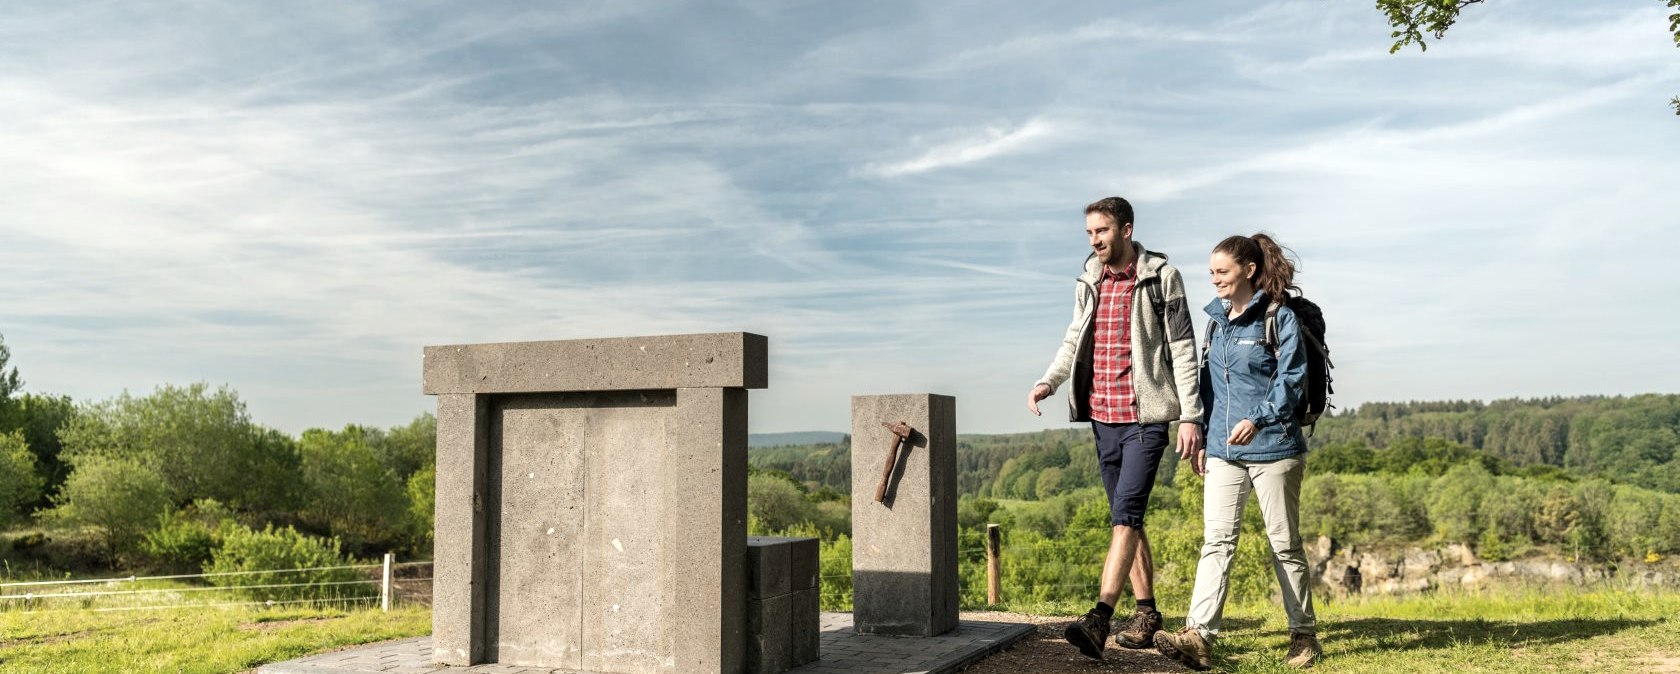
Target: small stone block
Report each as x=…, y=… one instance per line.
x=769, y=629
x=806, y=626
x=767, y=566
x=804, y=564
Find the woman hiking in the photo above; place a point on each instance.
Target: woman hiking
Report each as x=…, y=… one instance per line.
x=1250, y=386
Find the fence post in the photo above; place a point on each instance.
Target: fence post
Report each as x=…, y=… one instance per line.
x=385, y=587
x=994, y=582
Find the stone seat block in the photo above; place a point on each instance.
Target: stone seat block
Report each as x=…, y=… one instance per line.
x=783, y=603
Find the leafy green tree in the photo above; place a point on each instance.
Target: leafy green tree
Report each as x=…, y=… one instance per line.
x=407, y=449
x=777, y=502
x=350, y=491
x=1412, y=18
x=1457, y=500
x=202, y=442
x=10, y=382
x=1049, y=482
x=422, y=506
x=118, y=497
x=39, y=417
x=1347, y=458
x=20, y=486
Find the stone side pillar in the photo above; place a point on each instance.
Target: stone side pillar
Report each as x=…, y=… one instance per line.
x=592, y=502
x=783, y=603
x=904, y=549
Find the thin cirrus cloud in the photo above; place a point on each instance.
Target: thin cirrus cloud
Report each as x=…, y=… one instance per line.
x=980, y=147
x=294, y=200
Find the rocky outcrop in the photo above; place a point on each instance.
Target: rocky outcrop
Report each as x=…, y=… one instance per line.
x=1379, y=571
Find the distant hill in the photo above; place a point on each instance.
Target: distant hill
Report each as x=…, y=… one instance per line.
x=1624, y=439
x=796, y=438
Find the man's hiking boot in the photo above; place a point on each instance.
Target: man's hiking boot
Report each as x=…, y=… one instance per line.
x=1303, y=650
x=1140, y=630
x=1089, y=634
x=1186, y=647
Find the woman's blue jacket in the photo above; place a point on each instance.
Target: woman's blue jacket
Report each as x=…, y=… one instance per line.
x=1243, y=380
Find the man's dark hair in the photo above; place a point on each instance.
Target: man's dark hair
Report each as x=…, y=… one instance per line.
x=1114, y=207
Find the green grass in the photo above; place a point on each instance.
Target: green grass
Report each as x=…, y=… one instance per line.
x=195, y=640
x=1557, y=630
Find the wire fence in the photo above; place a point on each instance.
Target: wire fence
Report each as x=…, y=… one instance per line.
x=387, y=585
x=393, y=584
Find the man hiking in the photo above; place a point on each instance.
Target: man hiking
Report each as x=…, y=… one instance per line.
x=1131, y=354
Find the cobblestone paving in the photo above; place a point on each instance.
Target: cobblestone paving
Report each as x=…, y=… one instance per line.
x=843, y=652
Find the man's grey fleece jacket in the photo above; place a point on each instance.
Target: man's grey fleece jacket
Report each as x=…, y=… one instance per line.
x=1164, y=359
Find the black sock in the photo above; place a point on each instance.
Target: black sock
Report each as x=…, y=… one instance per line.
x=1104, y=610
x=1149, y=603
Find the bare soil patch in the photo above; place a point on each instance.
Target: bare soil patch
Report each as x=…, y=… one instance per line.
x=1045, y=652
x=271, y=625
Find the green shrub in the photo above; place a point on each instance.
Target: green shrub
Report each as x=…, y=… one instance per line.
x=310, y=567
x=187, y=538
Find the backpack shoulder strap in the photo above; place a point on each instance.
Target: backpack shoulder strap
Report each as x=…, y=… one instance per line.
x=1272, y=328
x=1207, y=344
x=1158, y=297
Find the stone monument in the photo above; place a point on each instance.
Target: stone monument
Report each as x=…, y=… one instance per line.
x=592, y=502
x=904, y=547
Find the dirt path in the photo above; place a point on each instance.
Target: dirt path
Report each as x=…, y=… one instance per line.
x=1046, y=653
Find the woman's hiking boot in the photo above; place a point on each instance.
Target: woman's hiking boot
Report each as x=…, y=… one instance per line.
x=1186, y=647
x=1303, y=650
x=1089, y=634
x=1140, y=630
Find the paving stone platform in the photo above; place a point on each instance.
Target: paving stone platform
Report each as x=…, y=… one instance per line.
x=843, y=652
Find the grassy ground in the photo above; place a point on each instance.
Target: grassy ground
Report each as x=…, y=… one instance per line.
x=189, y=640
x=1531, y=631
x=1559, y=630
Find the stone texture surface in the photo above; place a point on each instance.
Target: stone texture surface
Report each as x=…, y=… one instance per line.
x=718, y=360
x=575, y=527
x=460, y=549
x=782, y=603
x=904, y=549
x=844, y=652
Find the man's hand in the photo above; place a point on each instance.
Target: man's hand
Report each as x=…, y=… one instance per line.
x=1242, y=434
x=1038, y=393
x=1189, y=439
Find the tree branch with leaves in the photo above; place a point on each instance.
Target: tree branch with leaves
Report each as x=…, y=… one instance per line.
x=1412, y=18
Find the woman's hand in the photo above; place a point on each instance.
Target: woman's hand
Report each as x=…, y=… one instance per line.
x=1199, y=464
x=1242, y=434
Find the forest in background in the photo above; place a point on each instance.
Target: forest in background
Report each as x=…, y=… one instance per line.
x=182, y=479
x=1591, y=479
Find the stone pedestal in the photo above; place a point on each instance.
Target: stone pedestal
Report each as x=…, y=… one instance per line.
x=904, y=549
x=783, y=603
x=592, y=502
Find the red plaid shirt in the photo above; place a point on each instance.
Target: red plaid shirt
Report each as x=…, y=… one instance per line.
x=1113, y=400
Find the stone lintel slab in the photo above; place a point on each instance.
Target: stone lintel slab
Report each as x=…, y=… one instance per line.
x=904, y=549
x=711, y=360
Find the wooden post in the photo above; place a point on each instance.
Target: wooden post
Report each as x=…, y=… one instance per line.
x=385, y=587
x=994, y=568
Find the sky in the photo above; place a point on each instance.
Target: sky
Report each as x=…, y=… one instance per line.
x=292, y=199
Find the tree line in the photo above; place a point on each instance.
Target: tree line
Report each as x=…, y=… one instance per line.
x=184, y=479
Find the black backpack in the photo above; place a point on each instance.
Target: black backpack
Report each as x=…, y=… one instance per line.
x=1316, y=389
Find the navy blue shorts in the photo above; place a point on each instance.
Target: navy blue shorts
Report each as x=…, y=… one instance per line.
x=1129, y=455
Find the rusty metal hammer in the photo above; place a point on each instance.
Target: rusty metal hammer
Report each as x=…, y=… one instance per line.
x=901, y=434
